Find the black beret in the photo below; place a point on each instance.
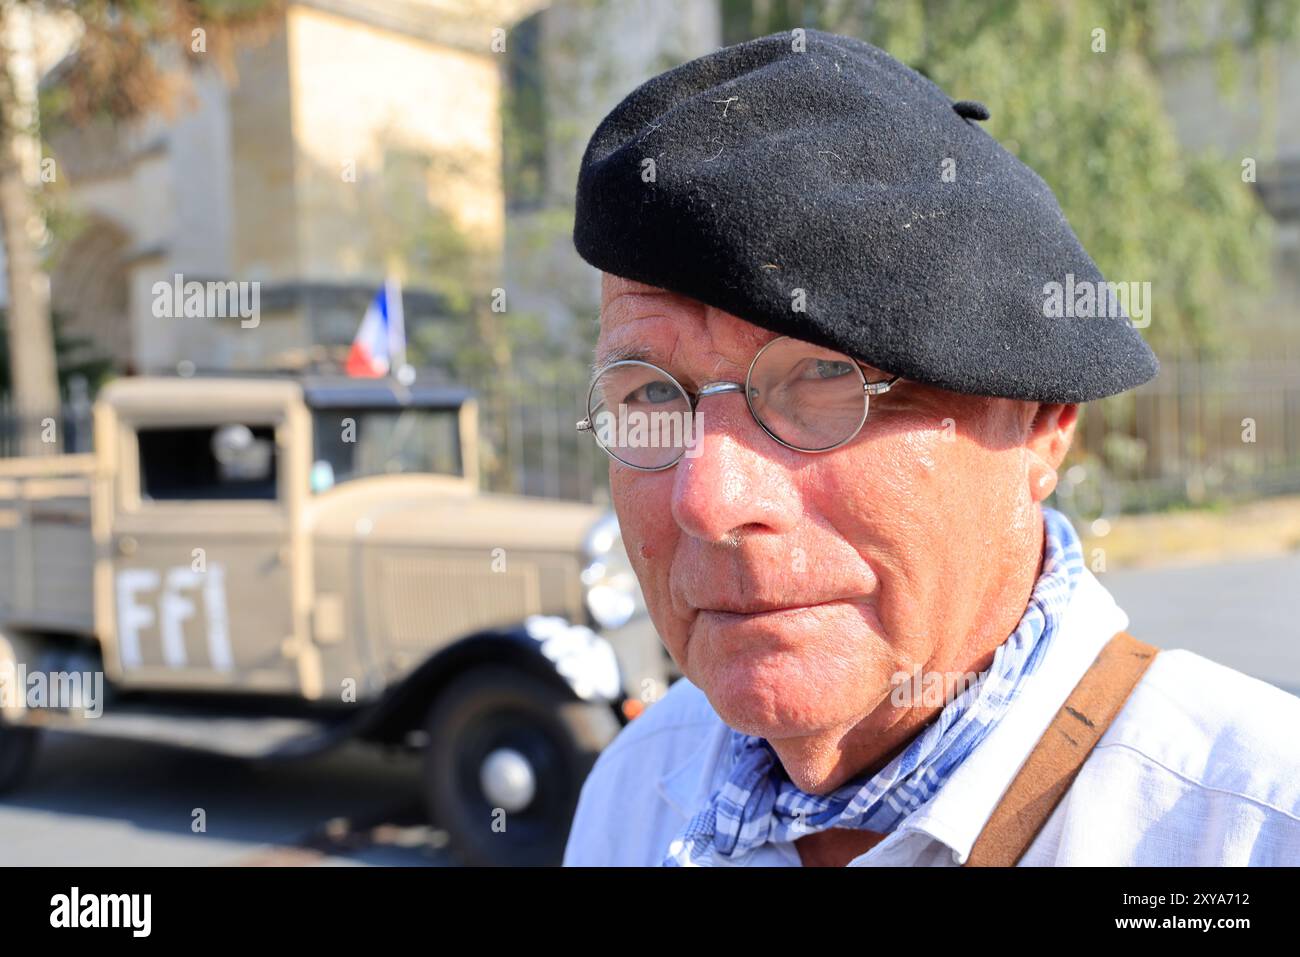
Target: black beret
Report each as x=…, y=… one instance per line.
x=826, y=174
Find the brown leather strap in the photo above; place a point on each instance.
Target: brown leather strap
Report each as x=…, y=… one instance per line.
x=1052, y=766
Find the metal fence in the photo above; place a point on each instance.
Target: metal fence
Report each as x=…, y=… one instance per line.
x=1199, y=432
x=529, y=443
x=66, y=429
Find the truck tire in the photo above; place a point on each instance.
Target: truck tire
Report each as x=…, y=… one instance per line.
x=506, y=757
x=17, y=754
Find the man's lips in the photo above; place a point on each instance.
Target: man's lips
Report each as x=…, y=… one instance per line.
x=752, y=609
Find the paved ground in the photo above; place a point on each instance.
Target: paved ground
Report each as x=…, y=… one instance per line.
x=94, y=803
x=100, y=803
x=1244, y=614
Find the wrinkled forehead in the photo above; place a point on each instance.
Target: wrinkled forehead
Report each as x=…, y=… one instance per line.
x=612, y=287
x=639, y=320
x=651, y=324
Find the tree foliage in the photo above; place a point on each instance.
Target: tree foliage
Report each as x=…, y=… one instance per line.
x=128, y=53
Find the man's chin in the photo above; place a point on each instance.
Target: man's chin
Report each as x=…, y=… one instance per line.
x=765, y=699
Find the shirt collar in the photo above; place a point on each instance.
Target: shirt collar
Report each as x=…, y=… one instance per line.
x=958, y=812
x=689, y=785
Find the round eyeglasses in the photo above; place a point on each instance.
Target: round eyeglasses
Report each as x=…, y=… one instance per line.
x=808, y=398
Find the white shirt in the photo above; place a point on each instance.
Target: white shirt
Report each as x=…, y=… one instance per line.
x=1201, y=767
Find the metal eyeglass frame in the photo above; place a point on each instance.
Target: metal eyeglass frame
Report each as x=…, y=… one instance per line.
x=722, y=387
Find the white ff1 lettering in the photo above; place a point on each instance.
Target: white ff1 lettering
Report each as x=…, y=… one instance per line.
x=176, y=606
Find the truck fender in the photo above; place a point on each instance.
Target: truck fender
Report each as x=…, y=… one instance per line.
x=584, y=659
x=573, y=655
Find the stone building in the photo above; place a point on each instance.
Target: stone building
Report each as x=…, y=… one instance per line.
x=355, y=130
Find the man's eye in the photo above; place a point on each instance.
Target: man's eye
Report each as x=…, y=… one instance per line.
x=823, y=369
x=656, y=392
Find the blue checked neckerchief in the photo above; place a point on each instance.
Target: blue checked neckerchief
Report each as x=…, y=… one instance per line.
x=758, y=804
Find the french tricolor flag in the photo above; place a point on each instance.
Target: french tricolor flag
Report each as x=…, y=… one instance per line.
x=380, y=345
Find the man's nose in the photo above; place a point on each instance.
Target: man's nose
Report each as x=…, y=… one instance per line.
x=737, y=478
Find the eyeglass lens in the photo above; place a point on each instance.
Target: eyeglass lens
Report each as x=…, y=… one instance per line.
x=807, y=396
x=640, y=416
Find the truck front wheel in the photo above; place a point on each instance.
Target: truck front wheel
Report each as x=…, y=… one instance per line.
x=17, y=753
x=506, y=758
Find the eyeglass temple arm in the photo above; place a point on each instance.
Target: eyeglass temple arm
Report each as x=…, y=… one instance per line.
x=878, y=388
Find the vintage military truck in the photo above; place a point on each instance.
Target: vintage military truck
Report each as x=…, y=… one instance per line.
x=266, y=567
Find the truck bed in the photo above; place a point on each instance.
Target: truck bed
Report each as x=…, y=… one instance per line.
x=47, y=550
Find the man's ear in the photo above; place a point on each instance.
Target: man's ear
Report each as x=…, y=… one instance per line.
x=1050, y=433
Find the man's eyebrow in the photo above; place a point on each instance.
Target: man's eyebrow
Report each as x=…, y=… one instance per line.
x=633, y=350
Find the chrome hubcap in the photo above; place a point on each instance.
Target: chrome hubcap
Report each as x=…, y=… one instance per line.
x=508, y=780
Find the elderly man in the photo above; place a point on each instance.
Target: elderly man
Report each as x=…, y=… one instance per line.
x=835, y=396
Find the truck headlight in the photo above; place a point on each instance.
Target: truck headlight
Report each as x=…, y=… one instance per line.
x=613, y=594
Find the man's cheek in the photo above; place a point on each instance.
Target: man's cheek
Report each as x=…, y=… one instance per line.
x=648, y=533
x=938, y=468
x=642, y=553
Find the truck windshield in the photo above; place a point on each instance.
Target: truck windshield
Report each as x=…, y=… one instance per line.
x=355, y=443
